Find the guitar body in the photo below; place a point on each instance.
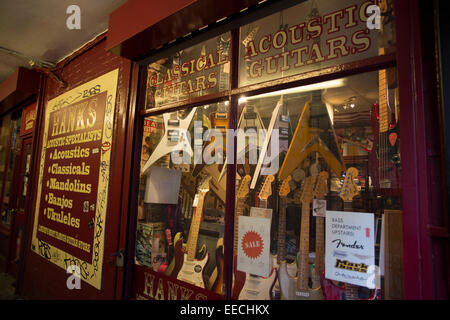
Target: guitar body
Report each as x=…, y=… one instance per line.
x=289, y=289
x=331, y=290
x=291, y=270
x=193, y=271
x=258, y=288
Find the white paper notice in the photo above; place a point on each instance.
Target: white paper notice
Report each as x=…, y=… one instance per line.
x=254, y=246
x=319, y=207
x=350, y=248
x=162, y=186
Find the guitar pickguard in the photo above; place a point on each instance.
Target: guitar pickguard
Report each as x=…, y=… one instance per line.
x=193, y=271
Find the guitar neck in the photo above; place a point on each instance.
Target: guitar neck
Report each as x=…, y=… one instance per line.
x=383, y=105
x=195, y=227
x=262, y=203
x=281, y=243
x=303, y=265
x=320, y=245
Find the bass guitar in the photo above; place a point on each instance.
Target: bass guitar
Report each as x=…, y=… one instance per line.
x=297, y=288
x=257, y=287
x=192, y=270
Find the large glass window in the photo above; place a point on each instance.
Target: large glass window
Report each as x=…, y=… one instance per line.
x=315, y=207
x=182, y=195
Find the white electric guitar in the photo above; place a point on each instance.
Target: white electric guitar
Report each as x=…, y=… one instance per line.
x=193, y=270
x=257, y=287
x=174, y=138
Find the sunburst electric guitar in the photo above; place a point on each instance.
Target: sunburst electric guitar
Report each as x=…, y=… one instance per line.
x=193, y=270
x=257, y=287
x=297, y=288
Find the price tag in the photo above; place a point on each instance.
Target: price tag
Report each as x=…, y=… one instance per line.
x=319, y=207
x=195, y=203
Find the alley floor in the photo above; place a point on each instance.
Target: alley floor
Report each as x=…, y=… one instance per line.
x=6, y=287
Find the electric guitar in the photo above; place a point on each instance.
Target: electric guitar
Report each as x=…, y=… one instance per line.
x=216, y=279
x=331, y=290
x=384, y=159
x=251, y=123
x=285, y=189
x=193, y=270
x=348, y=191
x=257, y=287
x=297, y=288
x=241, y=194
x=308, y=139
x=219, y=123
x=174, y=138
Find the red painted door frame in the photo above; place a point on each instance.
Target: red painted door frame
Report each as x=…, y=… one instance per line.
x=420, y=195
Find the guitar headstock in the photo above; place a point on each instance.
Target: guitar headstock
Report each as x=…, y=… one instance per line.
x=321, y=186
x=308, y=189
x=285, y=187
x=203, y=187
x=266, y=189
x=349, y=188
x=244, y=187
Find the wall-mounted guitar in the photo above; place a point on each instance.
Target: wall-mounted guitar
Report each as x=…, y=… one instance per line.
x=384, y=159
x=348, y=191
x=216, y=279
x=297, y=288
x=257, y=287
x=174, y=138
x=331, y=289
x=241, y=194
x=187, y=267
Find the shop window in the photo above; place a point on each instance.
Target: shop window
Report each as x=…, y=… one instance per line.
x=182, y=193
x=314, y=35
x=317, y=197
x=194, y=72
x=333, y=148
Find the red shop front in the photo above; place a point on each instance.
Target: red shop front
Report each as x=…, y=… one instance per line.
x=339, y=168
